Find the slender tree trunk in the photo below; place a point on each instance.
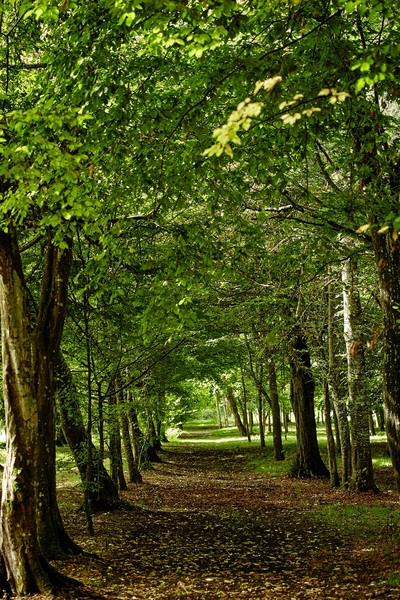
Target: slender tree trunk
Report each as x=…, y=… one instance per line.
x=261, y=411
x=139, y=439
x=362, y=472
x=154, y=444
x=285, y=420
x=333, y=470
x=336, y=423
x=117, y=470
x=338, y=400
x=100, y=406
x=308, y=457
x=250, y=420
x=275, y=408
x=245, y=420
x=217, y=397
x=235, y=412
x=225, y=407
x=133, y=471
x=381, y=419
x=371, y=424
x=103, y=491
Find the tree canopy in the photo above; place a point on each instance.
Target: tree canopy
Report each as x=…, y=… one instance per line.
x=214, y=186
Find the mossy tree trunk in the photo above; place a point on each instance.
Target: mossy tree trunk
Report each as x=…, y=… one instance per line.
x=103, y=493
x=28, y=351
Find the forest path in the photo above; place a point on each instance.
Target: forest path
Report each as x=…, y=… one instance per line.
x=204, y=527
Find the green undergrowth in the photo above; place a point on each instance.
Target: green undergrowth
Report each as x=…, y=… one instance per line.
x=67, y=471
x=207, y=433
x=367, y=522
x=393, y=579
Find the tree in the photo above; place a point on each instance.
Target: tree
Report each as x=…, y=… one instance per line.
x=30, y=345
x=103, y=493
x=362, y=472
x=330, y=53
x=308, y=457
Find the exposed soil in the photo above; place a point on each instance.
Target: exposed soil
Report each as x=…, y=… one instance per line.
x=204, y=527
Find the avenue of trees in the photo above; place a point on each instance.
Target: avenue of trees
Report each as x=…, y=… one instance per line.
x=199, y=206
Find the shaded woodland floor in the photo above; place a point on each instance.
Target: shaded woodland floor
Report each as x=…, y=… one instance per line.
x=203, y=527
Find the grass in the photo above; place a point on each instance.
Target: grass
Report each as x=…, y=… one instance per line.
x=67, y=471
x=393, y=579
x=262, y=461
x=367, y=522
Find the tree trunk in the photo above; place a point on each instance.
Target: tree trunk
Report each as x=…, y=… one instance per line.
x=217, y=397
x=308, y=457
x=226, y=414
x=338, y=399
x=250, y=420
x=54, y=541
x=154, y=444
x=235, y=412
x=245, y=420
x=371, y=424
x=133, y=471
x=285, y=420
x=139, y=440
x=116, y=463
x=362, y=471
x=275, y=408
x=103, y=493
x=28, y=353
x=330, y=439
x=336, y=423
x=261, y=416
x=100, y=406
x=380, y=417
x=387, y=257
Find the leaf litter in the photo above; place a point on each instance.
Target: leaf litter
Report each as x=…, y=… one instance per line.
x=203, y=527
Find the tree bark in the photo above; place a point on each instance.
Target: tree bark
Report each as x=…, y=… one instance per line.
x=372, y=429
x=235, y=412
x=225, y=407
x=244, y=407
x=139, y=441
x=28, y=351
x=54, y=541
x=133, y=471
x=275, y=408
x=217, y=397
x=362, y=471
x=334, y=475
x=308, y=457
x=387, y=257
x=103, y=493
x=338, y=399
x=153, y=444
x=261, y=414
x=117, y=471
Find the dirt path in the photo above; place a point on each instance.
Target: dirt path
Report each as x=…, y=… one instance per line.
x=202, y=527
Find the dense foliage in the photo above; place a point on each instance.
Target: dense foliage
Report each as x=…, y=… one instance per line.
x=216, y=184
